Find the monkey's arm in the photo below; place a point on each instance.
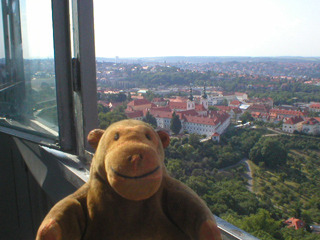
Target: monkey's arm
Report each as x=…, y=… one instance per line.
x=189, y=212
x=66, y=220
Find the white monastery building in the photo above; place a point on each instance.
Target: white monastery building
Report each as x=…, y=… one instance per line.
x=195, y=118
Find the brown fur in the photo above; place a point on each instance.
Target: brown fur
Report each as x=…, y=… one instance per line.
x=129, y=194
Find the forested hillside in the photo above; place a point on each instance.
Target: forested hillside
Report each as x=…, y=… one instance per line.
x=283, y=188
x=282, y=90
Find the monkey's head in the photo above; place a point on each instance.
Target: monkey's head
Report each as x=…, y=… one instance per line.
x=130, y=157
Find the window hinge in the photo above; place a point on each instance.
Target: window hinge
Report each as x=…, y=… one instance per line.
x=76, y=75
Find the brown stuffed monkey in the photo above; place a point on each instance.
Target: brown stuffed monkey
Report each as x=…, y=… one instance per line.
x=130, y=195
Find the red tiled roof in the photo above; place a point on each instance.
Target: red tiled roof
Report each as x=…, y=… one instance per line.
x=160, y=114
x=294, y=120
x=202, y=120
x=255, y=114
x=138, y=102
x=225, y=108
x=296, y=223
x=311, y=121
x=239, y=93
x=134, y=114
x=286, y=112
x=315, y=106
x=273, y=115
x=237, y=110
x=129, y=109
x=178, y=105
x=178, y=99
x=164, y=109
x=103, y=103
x=191, y=112
x=200, y=107
x=235, y=102
x=222, y=115
x=213, y=118
x=216, y=134
x=158, y=100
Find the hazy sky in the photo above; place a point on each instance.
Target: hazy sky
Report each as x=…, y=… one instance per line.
x=147, y=28
x=37, y=36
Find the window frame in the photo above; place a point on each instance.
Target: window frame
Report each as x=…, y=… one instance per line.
x=76, y=88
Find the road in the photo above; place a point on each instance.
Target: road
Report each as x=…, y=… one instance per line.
x=248, y=173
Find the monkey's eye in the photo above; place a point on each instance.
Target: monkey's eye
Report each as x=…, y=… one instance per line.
x=116, y=136
x=148, y=136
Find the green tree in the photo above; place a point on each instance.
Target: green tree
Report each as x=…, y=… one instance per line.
x=121, y=97
x=175, y=168
x=213, y=108
x=270, y=151
x=225, y=102
x=149, y=118
x=129, y=98
x=106, y=119
x=175, y=124
x=246, y=117
x=261, y=224
x=149, y=95
x=103, y=109
x=194, y=139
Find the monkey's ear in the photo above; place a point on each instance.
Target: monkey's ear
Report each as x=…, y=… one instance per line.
x=94, y=137
x=165, y=138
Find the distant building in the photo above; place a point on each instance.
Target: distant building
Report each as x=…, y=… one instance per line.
x=258, y=108
x=258, y=116
x=260, y=101
x=103, y=103
x=287, y=113
x=241, y=96
x=296, y=223
x=159, y=102
x=113, y=105
x=311, y=126
x=204, y=99
x=315, y=107
x=140, y=104
x=215, y=137
x=293, y=124
x=214, y=123
x=163, y=119
x=215, y=100
x=235, y=103
x=137, y=115
x=234, y=112
x=195, y=118
x=142, y=91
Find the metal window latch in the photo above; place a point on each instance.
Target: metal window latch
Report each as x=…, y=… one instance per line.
x=76, y=75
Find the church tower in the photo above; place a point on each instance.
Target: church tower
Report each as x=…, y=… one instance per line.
x=204, y=98
x=190, y=103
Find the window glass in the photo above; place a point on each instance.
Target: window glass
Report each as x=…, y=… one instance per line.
x=28, y=86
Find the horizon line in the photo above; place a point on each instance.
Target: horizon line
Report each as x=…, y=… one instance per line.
x=213, y=56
